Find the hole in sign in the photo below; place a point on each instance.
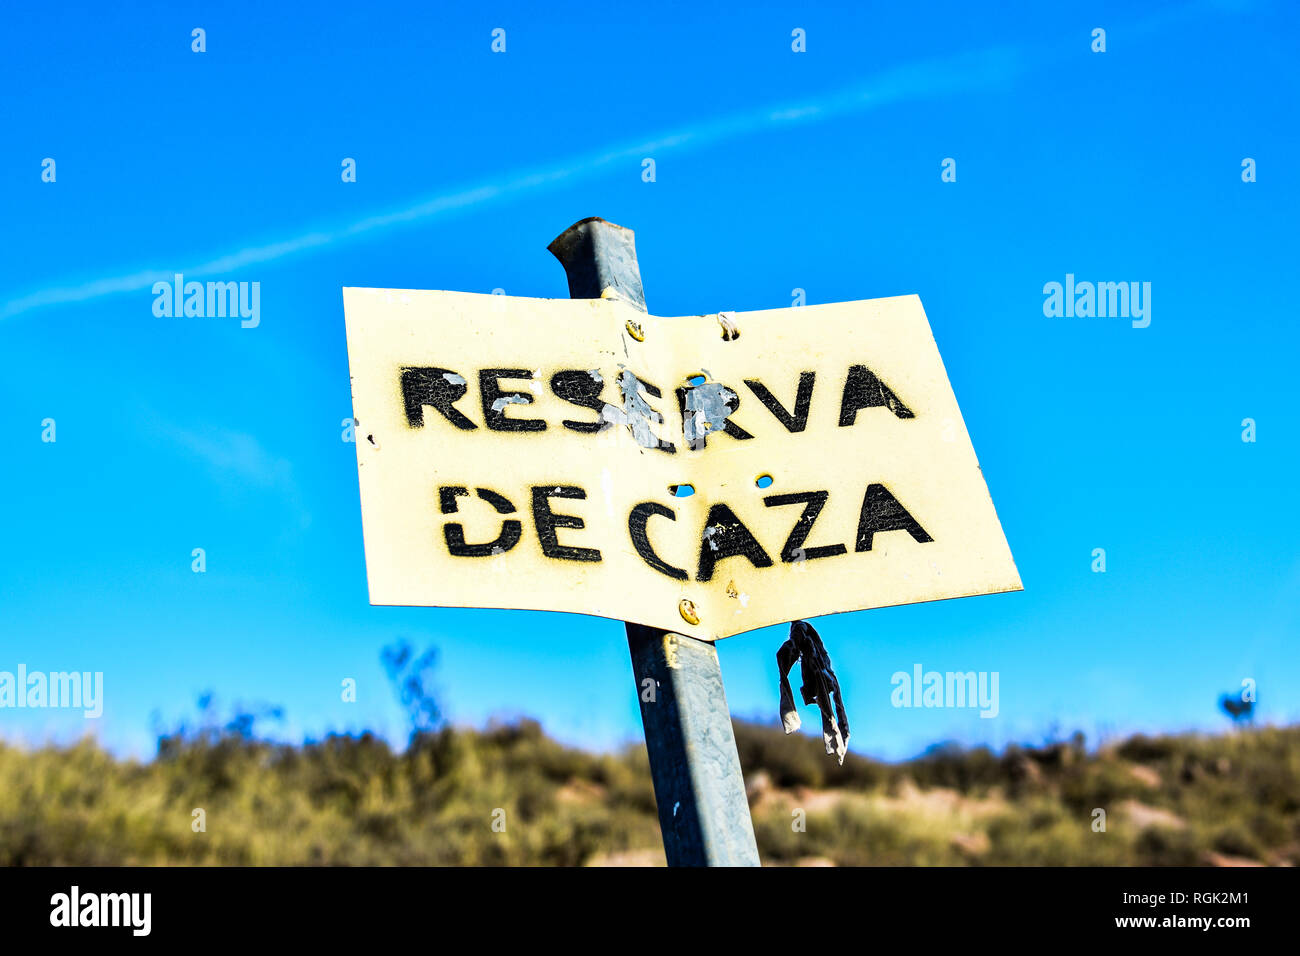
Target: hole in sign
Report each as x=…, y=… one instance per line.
x=730, y=332
x=681, y=491
x=696, y=379
x=686, y=608
x=763, y=481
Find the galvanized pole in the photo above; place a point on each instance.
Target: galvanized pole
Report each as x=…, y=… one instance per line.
x=703, y=811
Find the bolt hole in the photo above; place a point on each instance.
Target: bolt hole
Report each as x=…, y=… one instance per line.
x=686, y=608
x=681, y=491
x=729, y=330
x=696, y=379
x=763, y=481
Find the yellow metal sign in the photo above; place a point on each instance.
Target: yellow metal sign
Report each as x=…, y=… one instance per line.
x=706, y=475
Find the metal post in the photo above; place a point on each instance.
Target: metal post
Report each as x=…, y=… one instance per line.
x=703, y=811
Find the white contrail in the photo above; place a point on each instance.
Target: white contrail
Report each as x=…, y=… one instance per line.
x=904, y=84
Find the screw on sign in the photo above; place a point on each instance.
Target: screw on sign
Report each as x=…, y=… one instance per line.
x=672, y=473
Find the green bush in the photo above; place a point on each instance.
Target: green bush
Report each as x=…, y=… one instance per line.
x=354, y=800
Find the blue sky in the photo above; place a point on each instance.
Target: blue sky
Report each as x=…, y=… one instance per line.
x=775, y=170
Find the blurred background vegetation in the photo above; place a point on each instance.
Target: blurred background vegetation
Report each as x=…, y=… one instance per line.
x=1230, y=799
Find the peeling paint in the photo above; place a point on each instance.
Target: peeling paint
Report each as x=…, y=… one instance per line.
x=712, y=530
x=505, y=400
x=611, y=415
x=455, y=379
x=636, y=412
x=707, y=408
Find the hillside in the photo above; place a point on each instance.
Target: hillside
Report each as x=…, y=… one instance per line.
x=1223, y=800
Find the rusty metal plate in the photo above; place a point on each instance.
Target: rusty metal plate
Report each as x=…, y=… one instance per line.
x=582, y=456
